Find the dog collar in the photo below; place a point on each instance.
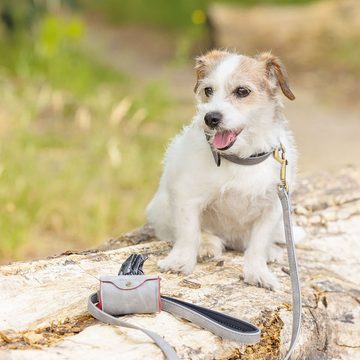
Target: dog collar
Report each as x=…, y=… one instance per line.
x=251, y=160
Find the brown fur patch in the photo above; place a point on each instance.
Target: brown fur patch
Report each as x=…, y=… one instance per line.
x=273, y=65
x=205, y=63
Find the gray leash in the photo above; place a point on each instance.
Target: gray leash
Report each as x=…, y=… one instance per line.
x=98, y=314
x=294, y=274
x=220, y=324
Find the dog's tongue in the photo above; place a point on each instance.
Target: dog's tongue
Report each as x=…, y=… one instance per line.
x=223, y=139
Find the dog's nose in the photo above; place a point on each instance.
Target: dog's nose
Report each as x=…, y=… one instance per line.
x=212, y=119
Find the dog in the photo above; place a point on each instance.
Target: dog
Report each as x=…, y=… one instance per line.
x=203, y=209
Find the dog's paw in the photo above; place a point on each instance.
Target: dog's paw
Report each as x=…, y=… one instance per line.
x=275, y=253
x=211, y=246
x=178, y=262
x=260, y=276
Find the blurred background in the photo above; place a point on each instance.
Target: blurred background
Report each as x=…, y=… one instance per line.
x=92, y=91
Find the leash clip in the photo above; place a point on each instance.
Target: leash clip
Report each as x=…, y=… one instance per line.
x=279, y=156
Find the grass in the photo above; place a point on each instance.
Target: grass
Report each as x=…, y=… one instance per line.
x=55, y=56
x=79, y=160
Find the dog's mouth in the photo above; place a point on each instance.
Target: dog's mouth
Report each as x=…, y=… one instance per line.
x=225, y=139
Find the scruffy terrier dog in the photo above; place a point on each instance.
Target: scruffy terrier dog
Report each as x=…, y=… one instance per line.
x=202, y=208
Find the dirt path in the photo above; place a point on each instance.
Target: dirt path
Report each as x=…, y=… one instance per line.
x=326, y=133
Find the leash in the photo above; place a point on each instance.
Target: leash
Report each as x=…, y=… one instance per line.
x=285, y=200
x=225, y=326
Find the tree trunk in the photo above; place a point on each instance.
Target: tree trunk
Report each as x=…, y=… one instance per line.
x=43, y=303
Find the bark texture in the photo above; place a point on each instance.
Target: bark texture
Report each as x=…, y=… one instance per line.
x=43, y=303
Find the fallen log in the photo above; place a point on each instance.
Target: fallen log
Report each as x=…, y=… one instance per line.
x=43, y=303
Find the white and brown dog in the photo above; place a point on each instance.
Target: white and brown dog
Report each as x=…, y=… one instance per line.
x=203, y=208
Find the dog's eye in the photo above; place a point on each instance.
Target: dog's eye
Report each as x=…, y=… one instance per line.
x=242, y=91
x=208, y=91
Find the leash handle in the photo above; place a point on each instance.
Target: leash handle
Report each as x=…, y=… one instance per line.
x=218, y=323
x=225, y=326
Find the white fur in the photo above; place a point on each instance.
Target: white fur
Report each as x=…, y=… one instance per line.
x=202, y=208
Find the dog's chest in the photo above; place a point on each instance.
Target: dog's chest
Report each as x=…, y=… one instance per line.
x=247, y=181
x=244, y=193
x=233, y=204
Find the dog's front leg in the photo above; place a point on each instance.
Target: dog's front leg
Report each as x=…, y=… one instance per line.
x=256, y=271
x=182, y=257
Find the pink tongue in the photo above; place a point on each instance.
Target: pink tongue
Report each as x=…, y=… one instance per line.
x=223, y=139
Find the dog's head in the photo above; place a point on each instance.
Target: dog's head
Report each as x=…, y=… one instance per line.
x=238, y=96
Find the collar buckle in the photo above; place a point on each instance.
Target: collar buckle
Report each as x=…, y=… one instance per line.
x=280, y=156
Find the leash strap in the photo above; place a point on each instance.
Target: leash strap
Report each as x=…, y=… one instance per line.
x=284, y=197
x=112, y=320
x=219, y=324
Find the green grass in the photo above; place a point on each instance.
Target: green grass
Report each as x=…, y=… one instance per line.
x=55, y=56
x=74, y=171
x=72, y=183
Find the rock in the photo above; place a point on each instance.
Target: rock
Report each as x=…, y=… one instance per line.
x=43, y=303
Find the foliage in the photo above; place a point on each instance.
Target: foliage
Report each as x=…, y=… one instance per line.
x=175, y=15
x=78, y=159
x=54, y=54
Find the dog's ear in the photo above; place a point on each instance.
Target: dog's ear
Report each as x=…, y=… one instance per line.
x=204, y=63
x=276, y=73
x=200, y=73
